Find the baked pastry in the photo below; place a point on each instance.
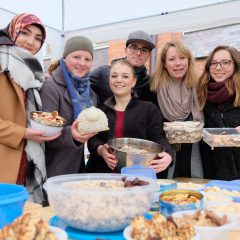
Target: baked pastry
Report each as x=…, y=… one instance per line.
x=92, y=120
x=27, y=227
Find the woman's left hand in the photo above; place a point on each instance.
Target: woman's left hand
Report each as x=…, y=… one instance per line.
x=161, y=163
x=238, y=128
x=77, y=136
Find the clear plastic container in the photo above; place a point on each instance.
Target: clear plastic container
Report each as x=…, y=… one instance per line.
x=99, y=209
x=221, y=137
x=183, y=132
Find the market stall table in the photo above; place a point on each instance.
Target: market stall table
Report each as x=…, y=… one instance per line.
x=46, y=213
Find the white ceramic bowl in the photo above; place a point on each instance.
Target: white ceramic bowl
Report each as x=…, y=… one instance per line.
x=213, y=199
x=218, y=233
x=48, y=130
x=59, y=233
x=127, y=234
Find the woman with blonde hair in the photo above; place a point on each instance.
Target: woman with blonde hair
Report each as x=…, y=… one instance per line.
x=219, y=98
x=68, y=92
x=175, y=81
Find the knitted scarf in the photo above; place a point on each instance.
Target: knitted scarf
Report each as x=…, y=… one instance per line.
x=219, y=95
x=176, y=101
x=27, y=72
x=79, y=90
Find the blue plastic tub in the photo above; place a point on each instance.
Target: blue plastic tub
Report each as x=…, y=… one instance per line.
x=12, y=200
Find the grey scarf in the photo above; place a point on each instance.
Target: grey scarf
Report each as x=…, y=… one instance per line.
x=26, y=71
x=176, y=101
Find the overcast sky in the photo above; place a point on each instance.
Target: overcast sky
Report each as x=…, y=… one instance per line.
x=87, y=13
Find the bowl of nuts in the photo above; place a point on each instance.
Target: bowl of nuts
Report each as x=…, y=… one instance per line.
x=48, y=122
x=100, y=202
x=134, y=151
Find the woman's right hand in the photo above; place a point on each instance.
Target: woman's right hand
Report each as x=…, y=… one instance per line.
x=37, y=136
x=109, y=158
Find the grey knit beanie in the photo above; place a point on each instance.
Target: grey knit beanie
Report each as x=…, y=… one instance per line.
x=78, y=43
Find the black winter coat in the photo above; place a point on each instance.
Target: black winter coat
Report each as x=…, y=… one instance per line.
x=99, y=79
x=141, y=120
x=221, y=163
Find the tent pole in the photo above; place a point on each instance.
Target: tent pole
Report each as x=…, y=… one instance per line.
x=63, y=27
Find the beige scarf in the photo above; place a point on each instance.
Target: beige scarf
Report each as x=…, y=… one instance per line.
x=176, y=101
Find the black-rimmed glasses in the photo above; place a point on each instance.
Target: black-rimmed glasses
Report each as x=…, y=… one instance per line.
x=134, y=49
x=224, y=64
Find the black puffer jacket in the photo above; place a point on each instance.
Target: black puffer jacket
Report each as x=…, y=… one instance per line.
x=99, y=79
x=141, y=120
x=221, y=163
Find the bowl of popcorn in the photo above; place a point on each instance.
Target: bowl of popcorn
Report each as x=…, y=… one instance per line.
x=208, y=224
x=48, y=122
x=134, y=151
x=100, y=202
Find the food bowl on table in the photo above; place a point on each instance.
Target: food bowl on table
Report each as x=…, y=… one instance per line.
x=205, y=225
x=12, y=200
x=134, y=151
x=48, y=122
x=99, y=202
x=179, y=200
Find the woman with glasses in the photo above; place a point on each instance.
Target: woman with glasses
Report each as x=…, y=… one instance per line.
x=174, y=80
x=219, y=98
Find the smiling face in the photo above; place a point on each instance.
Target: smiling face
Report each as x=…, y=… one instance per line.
x=121, y=79
x=222, y=73
x=136, y=56
x=30, y=38
x=79, y=62
x=176, y=64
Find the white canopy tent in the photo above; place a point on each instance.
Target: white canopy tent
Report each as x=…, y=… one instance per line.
x=106, y=20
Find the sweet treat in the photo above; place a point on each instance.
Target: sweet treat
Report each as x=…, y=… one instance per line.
x=92, y=120
x=27, y=227
x=160, y=227
x=48, y=118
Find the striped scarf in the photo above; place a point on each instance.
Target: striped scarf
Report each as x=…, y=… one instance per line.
x=27, y=72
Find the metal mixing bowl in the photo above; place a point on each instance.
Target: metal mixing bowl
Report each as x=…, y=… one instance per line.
x=126, y=158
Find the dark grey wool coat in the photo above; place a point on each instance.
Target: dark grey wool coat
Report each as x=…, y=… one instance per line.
x=63, y=155
x=221, y=163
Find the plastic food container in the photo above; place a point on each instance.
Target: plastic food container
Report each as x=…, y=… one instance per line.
x=166, y=184
x=98, y=209
x=208, y=232
x=191, y=186
x=12, y=200
x=183, y=132
x=221, y=137
x=168, y=207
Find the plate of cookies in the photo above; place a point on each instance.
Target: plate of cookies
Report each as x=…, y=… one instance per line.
x=158, y=227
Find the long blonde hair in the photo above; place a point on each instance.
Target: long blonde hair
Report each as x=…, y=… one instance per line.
x=161, y=75
x=232, y=84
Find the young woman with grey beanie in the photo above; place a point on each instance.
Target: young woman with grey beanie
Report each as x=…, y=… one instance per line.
x=67, y=91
